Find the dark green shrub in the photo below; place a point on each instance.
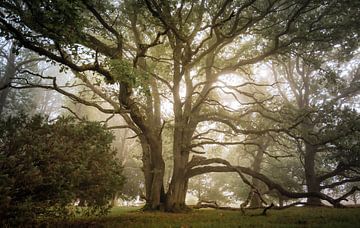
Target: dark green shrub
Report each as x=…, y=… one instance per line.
x=46, y=167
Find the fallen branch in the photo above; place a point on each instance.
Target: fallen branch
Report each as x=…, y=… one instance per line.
x=206, y=204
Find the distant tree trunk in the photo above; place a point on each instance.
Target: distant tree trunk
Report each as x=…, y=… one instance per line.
x=3, y=95
x=312, y=182
x=355, y=198
x=256, y=200
x=10, y=72
x=281, y=201
x=46, y=105
x=114, y=200
x=82, y=203
x=248, y=199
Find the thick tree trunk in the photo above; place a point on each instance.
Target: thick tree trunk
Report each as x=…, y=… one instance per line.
x=148, y=175
x=154, y=169
x=158, y=170
x=312, y=182
x=175, y=198
x=151, y=142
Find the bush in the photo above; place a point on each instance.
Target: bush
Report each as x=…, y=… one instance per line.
x=46, y=167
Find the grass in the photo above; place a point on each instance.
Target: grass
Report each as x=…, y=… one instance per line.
x=292, y=217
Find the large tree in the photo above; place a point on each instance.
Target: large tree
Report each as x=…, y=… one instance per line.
x=154, y=54
x=310, y=86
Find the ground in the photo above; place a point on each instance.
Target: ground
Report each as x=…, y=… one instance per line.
x=292, y=217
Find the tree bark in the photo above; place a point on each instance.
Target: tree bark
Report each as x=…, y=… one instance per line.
x=183, y=129
x=157, y=185
x=153, y=168
x=355, y=198
x=10, y=72
x=282, y=199
x=312, y=182
x=175, y=199
x=255, y=200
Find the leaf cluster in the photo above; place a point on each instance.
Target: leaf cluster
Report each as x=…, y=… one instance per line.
x=124, y=72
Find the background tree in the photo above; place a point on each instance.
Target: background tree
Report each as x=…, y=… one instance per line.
x=310, y=92
x=13, y=62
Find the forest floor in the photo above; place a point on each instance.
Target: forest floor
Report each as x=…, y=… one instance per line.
x=291, y=217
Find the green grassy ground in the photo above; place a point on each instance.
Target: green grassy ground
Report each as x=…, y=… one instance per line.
x=292, y=217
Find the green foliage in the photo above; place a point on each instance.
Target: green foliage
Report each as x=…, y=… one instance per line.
x=123, y=71
x=343, y=134
x=60, y=19
x=46, y=167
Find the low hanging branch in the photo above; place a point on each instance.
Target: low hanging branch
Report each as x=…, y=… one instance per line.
x=203, y=166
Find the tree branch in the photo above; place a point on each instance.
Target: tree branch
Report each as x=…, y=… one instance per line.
x=225, y=166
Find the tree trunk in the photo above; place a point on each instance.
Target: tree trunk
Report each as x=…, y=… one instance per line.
x=154, y=169
x=3, y=95
x=281, y=201
x=10, y=71
x=114, y=199
x=312, y=182
x=148, y=176
x=255, y=200
x=355, y=198
x=176, y=195
x=175, y=198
